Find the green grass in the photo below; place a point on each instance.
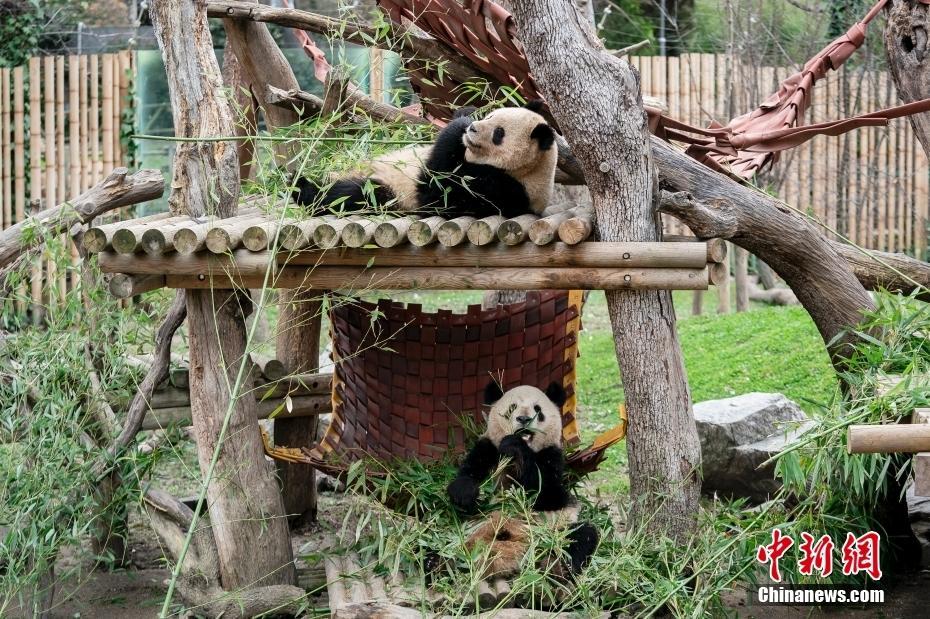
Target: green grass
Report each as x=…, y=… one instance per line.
x=766, y=349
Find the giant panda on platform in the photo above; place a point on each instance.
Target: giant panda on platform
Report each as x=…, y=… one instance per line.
x=524, y=425
x=503, y=164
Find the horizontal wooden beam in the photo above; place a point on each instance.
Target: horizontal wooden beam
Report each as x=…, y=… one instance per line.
x=447, y=278
x=888, y=438
x=301, y=406
x=590, y=254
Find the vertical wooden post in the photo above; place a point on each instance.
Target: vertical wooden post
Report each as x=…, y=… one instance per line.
x=298, y=347
x=723, y=286
x=246, y=510
x=742, y=279
x=261, y=63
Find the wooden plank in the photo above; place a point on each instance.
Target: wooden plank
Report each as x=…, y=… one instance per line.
x=907, y=187
x=882, y=137
x=301, y=406
x=708, y=86
x=6, y=162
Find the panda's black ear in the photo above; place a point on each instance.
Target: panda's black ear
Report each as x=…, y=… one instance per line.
x=535, y=105
x=556, y=393
x=492, y=393
x=544, y=134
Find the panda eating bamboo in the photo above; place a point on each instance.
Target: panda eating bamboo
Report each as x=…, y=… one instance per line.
x=525, y=426
x=503, y=164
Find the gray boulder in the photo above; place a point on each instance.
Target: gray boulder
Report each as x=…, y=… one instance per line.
x=739, y=434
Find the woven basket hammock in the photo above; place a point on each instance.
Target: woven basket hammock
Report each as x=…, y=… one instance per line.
x=406, y=381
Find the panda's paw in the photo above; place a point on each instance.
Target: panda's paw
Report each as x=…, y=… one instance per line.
x=513, y=446
x=463, y=492
x=582, y=542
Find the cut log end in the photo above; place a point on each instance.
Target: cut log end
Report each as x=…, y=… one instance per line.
x=95, y=241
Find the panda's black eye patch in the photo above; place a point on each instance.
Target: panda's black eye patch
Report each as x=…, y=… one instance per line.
x=537, y=409
x=498, y=136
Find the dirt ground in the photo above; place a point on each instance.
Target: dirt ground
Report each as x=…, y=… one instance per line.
x=137, y=591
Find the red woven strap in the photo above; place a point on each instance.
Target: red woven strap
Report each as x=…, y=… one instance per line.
x=741, y=148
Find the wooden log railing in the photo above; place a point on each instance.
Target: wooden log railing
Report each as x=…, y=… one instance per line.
x=608, y=266
x=253, y=230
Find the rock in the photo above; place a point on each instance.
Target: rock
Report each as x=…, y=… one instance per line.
x=739, y=434
x=918, y=508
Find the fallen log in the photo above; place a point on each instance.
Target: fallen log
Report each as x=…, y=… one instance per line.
x=118, y=189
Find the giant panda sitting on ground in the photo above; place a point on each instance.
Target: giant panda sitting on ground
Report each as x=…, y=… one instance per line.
x=524, y=425
x=503, y=164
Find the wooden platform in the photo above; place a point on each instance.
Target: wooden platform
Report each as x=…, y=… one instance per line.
x=257, y=249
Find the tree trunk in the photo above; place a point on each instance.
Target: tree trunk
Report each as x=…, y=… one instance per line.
x=906, y=29
x=810, y=265
x=596, y=100
x=245, y=507
x=243, y=108
x=298, y=340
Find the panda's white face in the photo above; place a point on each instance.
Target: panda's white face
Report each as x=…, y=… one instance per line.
x=513, y=139
x=529, y=413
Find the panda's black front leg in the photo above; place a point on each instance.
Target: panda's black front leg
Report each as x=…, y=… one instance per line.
x=448, y=151
x=582, y=542
x=477, y=466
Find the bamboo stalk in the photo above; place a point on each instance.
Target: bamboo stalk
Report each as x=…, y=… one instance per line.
x=94, y=134
x=514, y=231
x=19, y=162
x=454, y=232
x=35, y=173
x=107, y=111
x=384, y=278
x=393, y=232
x=84, y=123
x=6, y=161
x=124, y=61
x=74, y=148
x=889, y=438
x=597, y=255
x=423, y=232
x=484, y=231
